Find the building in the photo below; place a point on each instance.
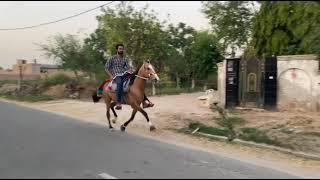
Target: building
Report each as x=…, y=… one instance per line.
x=31, y=71
x=284, y=82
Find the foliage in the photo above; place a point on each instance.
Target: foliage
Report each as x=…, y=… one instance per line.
x=55, y=80
x=231, y=21
x=290, y=27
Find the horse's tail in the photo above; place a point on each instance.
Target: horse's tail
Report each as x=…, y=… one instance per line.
x=95, y=97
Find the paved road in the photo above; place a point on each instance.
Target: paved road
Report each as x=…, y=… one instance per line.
x=36, y=144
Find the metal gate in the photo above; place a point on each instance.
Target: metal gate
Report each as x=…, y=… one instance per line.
x=270, y=82
x=232, y=82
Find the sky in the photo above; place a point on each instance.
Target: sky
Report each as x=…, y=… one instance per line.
x=22, y=44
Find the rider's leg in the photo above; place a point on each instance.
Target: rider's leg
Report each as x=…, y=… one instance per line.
x=119, y=81
x=145, y=104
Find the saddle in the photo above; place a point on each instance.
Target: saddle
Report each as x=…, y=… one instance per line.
x=112, y=86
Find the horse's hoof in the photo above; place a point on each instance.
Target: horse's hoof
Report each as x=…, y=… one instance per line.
x=114, y=121
x=122, y=128
x=152, y=128
x=111, y=129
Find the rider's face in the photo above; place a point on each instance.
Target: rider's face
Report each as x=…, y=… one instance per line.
x=120, y=50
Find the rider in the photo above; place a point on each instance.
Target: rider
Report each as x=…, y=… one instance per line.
x=116, y=66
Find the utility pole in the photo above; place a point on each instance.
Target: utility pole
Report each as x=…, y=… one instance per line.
x=20, y=77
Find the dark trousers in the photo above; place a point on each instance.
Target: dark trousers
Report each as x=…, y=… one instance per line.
x=119, y=81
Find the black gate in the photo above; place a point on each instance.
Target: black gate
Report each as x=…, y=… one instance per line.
x=270, y=82
x=232, y=82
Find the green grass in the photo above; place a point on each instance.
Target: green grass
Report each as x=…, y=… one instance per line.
x=208, y=130
x=171, y=90
x=234, y=111
x=230, y=121
x=258, y=136
x=24, y=82
x=246, y=134
x=28, y=98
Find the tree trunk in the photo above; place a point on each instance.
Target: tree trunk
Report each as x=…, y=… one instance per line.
x=205, y=87
x=153, y=89
x=76, y=74
x=193, y=83
x=178, y=81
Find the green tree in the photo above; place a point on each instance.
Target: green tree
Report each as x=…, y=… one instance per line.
x=205, y=55
x=72, y=54
x=93, y=56
x=65, y=50
x=290, y=27
x=140, y=31
x=180, y=40
x=231, y=22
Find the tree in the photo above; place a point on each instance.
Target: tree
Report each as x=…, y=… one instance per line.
x=179, y=62
x=291, y=27
x=205, y=55
x=231, y=22
x=72, y=54
x=93, y=55
x=139, y=31
x=65, y=50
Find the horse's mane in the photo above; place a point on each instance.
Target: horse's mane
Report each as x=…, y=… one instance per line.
x=133, y=77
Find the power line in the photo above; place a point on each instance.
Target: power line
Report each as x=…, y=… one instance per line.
x=42, y=24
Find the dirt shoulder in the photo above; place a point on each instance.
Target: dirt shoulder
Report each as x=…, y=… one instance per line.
x=174, y=112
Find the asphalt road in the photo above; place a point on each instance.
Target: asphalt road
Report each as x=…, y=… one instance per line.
x=36, y=144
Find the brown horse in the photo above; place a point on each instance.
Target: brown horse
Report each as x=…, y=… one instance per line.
x=134, y=97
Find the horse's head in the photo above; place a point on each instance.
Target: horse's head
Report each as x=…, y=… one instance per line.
x=147, y=71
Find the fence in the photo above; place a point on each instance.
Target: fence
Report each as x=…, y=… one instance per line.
x=170, y=87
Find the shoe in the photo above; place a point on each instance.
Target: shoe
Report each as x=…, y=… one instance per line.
x=118, y=106
x=147, y=105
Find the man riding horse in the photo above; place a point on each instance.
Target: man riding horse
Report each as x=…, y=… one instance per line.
x=117, y=67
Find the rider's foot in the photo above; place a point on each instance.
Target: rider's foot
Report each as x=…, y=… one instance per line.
x=118, y=106
x=147, y=105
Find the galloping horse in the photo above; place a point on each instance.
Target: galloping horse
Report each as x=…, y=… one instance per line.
x=134, y=97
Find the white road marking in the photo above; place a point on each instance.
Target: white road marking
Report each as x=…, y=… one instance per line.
x=107, y=176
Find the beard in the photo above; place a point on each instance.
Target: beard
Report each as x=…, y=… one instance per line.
x=120, y=52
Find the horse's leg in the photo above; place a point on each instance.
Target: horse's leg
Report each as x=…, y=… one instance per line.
x=108, y=103
x=152, y=127
x=123, y=126
x=114, y=112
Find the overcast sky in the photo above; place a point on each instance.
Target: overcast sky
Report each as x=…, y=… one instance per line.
x=20, y=44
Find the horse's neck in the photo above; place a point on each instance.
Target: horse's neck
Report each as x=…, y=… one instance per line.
x=139, y=84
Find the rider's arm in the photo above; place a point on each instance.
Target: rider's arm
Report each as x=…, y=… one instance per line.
x=108, y=66
x=127, y=66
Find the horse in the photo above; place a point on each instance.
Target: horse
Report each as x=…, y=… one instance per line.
x=133, y=97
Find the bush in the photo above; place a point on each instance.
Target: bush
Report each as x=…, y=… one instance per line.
x=256, y=135
x=55, y=80
x=227, y=122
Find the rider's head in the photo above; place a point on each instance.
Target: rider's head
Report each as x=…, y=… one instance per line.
x=120, y=48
